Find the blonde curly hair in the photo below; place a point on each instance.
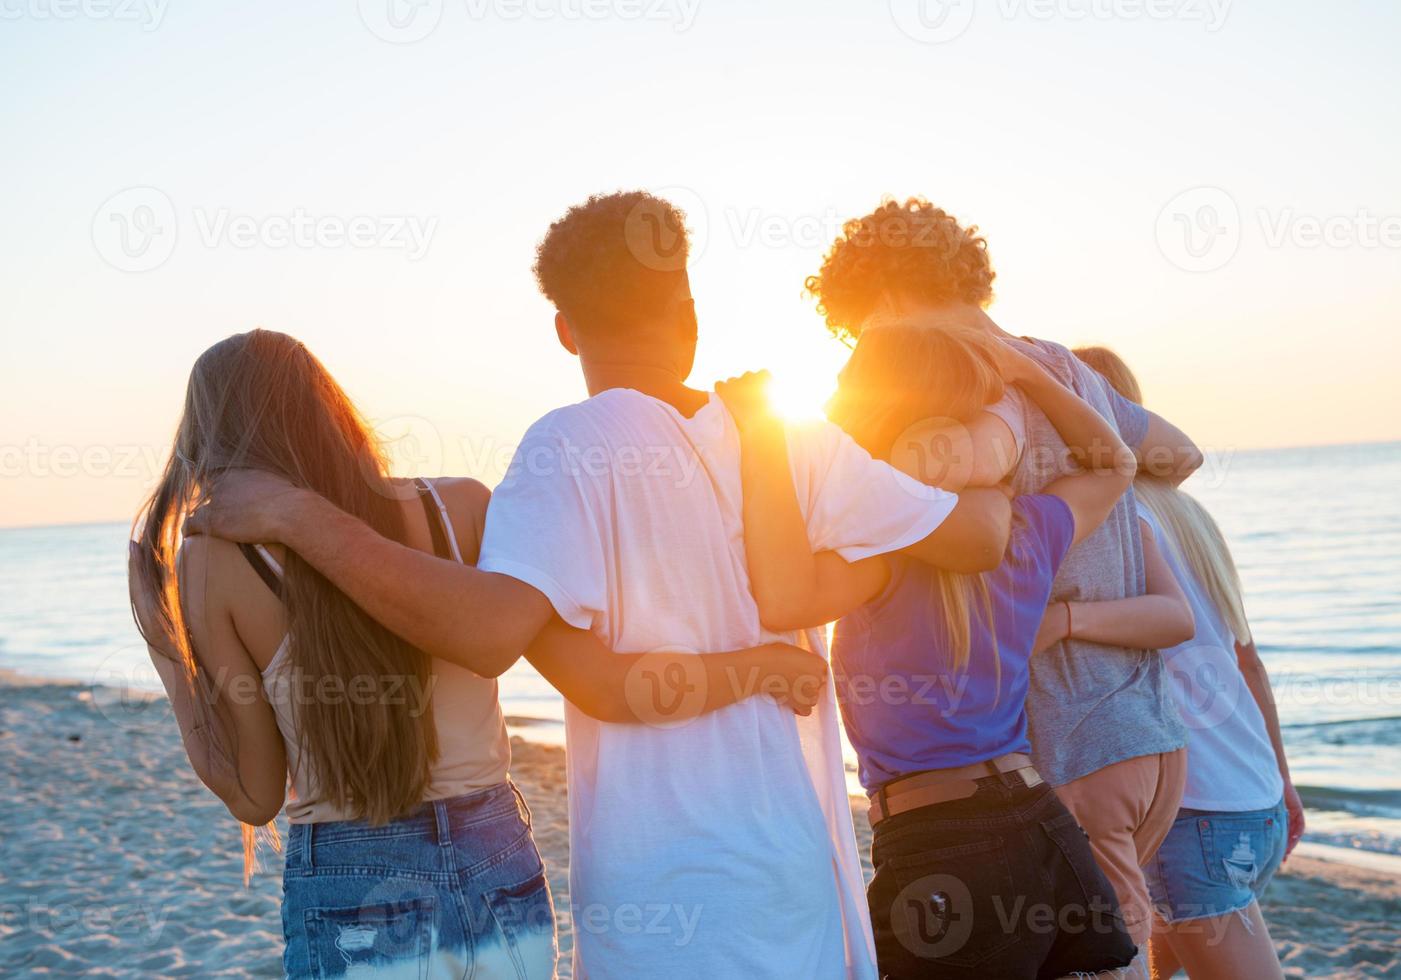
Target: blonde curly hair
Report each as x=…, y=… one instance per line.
x=912, y=248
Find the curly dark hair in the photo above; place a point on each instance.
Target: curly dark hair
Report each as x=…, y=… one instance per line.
x=910, y=248
x=615, y=260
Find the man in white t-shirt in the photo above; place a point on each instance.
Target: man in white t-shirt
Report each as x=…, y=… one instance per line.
x=720, y=845
x=625, y=512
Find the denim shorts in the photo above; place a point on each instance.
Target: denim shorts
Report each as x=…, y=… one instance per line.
x=1000, y=884
x=454, y=888
x=1213, y=863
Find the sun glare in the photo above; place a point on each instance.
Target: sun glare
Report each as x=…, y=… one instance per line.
x=797, y=396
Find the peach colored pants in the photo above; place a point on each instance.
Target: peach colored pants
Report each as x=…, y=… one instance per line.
x=1127, y=809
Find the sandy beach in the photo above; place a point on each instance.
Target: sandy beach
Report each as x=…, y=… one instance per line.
x=115, y=861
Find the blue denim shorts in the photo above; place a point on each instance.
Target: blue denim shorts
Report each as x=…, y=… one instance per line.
x=455, y=888
x=1213, y=863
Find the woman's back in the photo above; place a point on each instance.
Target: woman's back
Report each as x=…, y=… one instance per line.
x=473, y=749
x=1231, y=764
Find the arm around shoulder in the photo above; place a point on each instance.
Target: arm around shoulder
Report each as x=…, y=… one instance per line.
x=973, y=538
x=1166, y=452
x=454, y=612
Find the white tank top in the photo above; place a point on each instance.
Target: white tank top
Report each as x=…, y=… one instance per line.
x=474, y=751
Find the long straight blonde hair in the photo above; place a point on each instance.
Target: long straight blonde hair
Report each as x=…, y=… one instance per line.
x=261, y=400
x=1192, y=533
x=909, y=371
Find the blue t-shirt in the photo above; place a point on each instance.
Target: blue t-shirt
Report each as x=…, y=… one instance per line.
x=905, y=708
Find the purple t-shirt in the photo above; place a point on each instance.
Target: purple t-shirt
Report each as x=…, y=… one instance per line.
x=905, y=708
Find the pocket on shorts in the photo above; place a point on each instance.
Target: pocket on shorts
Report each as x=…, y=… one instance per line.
x=1073, y=843
x=525, y=919
x=395, y=936
x=951, y=905
x=1239, y=850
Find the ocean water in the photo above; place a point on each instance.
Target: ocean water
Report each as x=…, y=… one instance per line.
x=1316, y=532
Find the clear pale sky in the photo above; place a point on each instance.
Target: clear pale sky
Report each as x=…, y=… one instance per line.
x=1067, y=130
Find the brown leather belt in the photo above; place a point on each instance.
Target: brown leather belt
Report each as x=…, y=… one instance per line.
x=942, y=785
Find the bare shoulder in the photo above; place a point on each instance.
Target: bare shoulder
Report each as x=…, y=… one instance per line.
x=466, y=500
x=463, y=496
x=194, y=559
x=203, y=565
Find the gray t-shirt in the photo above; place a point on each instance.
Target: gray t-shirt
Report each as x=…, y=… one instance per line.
x=1090, y=705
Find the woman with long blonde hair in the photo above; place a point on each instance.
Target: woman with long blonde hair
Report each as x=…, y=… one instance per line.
x=1241, y=815
x=410, y=849
x=932, y=668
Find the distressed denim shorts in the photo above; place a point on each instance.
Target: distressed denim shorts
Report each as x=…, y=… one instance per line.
x=1213, y=863
x=455, y=888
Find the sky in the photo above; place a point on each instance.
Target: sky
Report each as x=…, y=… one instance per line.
x=1208, y=186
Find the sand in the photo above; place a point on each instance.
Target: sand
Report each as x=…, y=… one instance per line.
x=115, y=861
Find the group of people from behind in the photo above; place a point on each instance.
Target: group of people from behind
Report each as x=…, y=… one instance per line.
x=1041, y=656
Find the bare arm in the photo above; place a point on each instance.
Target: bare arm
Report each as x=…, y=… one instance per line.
x=479, y=620
x=1108, y=466
x=953, y=456
x=973, y=538
x=1166, y=452
x=669, y=688
x=254, y=787
x=1252, y=668
x=1156, y=620
x=792, y=587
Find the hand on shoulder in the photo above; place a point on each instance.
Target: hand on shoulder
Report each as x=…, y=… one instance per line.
x=747, y=397
x=245, y=505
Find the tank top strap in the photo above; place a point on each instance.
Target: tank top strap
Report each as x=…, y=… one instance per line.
x=269, y=569
x=439, y=523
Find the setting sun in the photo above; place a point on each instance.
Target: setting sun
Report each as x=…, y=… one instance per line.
x=799, y=395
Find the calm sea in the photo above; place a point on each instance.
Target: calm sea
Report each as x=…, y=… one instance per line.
x=1316, y=532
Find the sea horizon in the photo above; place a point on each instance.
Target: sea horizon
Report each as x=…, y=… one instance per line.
x=1322, y=597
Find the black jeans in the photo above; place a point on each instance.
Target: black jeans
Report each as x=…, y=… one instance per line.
x=1001, y=884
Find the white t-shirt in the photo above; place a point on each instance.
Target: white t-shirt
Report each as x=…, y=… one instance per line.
x=1231, y=763
x=722, y=847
